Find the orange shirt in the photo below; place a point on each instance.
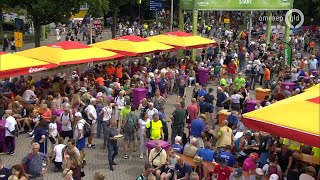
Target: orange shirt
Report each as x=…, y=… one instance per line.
x=47, y=115
x=111, y=70
x=119, y=72
x=100, y=81
x=183, y=67
x=267, y=75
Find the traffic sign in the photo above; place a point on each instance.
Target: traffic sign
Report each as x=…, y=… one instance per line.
x=18, y=39
x=156, y=5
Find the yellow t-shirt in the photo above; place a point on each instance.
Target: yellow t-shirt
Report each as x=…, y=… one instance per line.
x=124, y=112
x=155, y=129
x=292, y=145
x=316, y=152
x=225, y=134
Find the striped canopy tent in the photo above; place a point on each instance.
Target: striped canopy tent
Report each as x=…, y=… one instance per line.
x=68, y=53
x=15, y=65
x=132, y=46
x=183, y=40
x=296, y=118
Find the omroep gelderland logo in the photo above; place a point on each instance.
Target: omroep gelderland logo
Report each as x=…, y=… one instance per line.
x=294, y=16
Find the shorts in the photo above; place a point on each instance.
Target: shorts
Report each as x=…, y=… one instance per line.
x=80, y=144
x=235, y=106
x=52, y=140
x=129, y=136
x=93, y=128
x=218, y=109
x=117, y=114
x=209, y=108
x=68, y=134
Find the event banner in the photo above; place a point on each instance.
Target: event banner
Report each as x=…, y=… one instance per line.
x=236, y=4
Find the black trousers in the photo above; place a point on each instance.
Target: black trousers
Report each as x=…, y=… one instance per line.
x=113, y=150
x=9, y=140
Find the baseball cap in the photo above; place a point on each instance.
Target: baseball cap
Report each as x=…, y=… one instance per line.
x=237, y=172
x=259, y=172
x=274, y=177
x=78, y=114
x=247, y=132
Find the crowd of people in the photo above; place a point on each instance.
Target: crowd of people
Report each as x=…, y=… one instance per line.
x=65, y=114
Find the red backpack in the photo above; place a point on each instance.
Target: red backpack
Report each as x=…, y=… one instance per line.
x=272, y=169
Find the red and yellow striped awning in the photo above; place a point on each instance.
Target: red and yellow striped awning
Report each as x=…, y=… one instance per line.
x=69, y=52
x=15, y=65
x=183, y=40
x=132, y=46
x=296, y=118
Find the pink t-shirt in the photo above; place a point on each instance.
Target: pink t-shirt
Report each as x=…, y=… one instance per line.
x=249, y=165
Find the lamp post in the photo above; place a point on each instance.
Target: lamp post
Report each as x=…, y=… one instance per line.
x=171, y=17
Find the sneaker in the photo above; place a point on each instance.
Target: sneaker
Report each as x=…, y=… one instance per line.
x=84, y=162
x=89, y=146
x=130, y=157
x=125, y=156
x=30, y=133
x=141, y=156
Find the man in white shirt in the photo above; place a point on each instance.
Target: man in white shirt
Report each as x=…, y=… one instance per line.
x=92, y=115
x=79, y=134
x=119, y=102
x=151, y=111
x=66, y=119
x=11, y=130
x=29, y=96
x=57, y=154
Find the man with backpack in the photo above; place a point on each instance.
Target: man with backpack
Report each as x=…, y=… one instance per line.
x=129, y=128
x=79, y=128
x=91, y=113
x=272, y=167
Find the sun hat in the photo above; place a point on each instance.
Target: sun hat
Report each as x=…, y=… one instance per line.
x=274, y=177
x=259, y=172
x=78, y=114
x=237, y=172
x=83, y=89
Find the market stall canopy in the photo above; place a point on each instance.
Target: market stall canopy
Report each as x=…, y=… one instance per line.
x=183, y=40
x=296, y=118
x=132, y=46
x=15, y=65
x=68, y=53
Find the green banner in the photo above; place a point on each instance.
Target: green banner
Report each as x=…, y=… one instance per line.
x=236, y=4
x=287, y=52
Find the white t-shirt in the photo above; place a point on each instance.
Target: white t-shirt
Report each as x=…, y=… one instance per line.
x=235, y=98
x=143, y=124
x=78, y=127
x=107, y=113
x=66, y=118
x=91, y=109
x=10, y=124
x=119, y=102
x=58, y=150
x=152, y=112
x=28, y=94
x=54, y=129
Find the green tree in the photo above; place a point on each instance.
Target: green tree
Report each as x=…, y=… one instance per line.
x=115, y=6
x=43, y=12
x=98, y=8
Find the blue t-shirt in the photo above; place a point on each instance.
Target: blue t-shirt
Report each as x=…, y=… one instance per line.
x=202, y=92
x=177, y=148
x=228, y=156
x=197, y=126
x=232, y=120
x=206, y=154
x=220, y=98
x=183, y=170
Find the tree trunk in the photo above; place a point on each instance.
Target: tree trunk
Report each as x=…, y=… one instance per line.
x=114, y=23
x=37, y=32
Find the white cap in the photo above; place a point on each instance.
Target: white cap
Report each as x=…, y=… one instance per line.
x=274, y=177
x=78, y=114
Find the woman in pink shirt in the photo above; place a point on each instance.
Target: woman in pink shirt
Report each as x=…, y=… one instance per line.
x=250, y=164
